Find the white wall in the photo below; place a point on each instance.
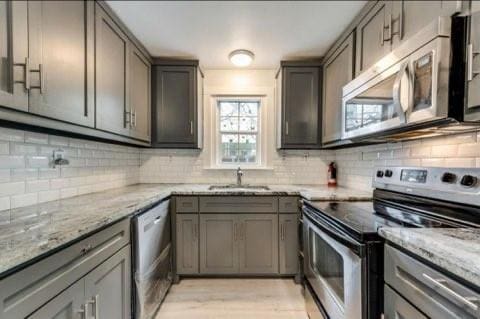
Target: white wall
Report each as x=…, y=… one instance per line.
x=306, y=167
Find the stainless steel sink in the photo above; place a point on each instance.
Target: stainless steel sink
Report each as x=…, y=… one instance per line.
x=239, y=187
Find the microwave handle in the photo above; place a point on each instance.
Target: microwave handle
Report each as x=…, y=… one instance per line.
x=401, y=109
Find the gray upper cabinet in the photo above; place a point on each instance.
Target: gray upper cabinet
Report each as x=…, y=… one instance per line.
x=176, y=117
x=299, y=107
x=68, y=305
x=110, y=70
x=409, y=17
x=258, y=245
x=373, y=36
x=473, y=85
x=139, y=86
x=13, y=54
x=338, y=70
x=61, y=54
x=288, y=241
x=187, y=244
x=219, y=243
x=108, y=287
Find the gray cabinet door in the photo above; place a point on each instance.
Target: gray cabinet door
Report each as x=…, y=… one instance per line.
x=337, y=71
x=13, y=54
x=110, y=72
x=409, y=17
x=187, y=243
x=288, y=241
x=473, y=89
x=258, y=244
x=219, y=243
x=398, y=308
x=301, y=111
x=108, y=287
x=67, y=305
x=139, y=86
x=174, y=106
x=61, y=60
x=372, y=36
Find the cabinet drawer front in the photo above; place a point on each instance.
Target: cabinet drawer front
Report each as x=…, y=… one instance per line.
x=436, y=294
x=28, y=289
x=397, y=307
x=288, y=204
x=187, y=204
x=238, y=204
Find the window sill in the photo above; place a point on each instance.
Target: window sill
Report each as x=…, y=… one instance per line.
x=244, y=168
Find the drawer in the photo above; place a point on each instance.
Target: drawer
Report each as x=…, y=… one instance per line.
x=186, y=204
x=238, y=204
x=434, y=293
x=288, y=204
x=28, y=289
x=396, y=307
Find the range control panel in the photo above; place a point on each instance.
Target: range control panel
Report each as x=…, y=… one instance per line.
x=453, y=184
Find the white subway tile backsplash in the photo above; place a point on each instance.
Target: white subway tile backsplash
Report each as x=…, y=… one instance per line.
x=8, y=161
x=7, y=134
x=8, y=189
x=37, y=186
x=23, y=200
x=36, y=138
x=38, y=161
x=24, y=174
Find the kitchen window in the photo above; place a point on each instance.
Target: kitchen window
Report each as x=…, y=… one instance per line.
x=238, y=132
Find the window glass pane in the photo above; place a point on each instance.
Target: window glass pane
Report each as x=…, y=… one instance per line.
x=248, y=124
x=229, y=148
x=228, y=108
x=249, y=109
x=229, y=124
x=247, y=149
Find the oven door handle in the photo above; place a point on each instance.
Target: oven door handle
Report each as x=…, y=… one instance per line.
x=397, y=92
x=336, y=233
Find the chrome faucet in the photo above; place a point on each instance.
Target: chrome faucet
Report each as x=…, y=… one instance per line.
x=239, y=176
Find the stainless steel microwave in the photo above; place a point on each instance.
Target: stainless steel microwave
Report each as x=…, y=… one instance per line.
x=417, y=90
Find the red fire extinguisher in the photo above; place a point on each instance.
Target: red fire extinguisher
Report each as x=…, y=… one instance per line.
x=332, y=175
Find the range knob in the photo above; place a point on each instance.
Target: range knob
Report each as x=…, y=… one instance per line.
x=388, y=173
x=468, y=181
x=379, y=174
x=449, y=178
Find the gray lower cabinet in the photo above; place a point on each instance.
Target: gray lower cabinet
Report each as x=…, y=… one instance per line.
x=258, y=244
x=61, y=53
x=108, y=287
x=103, y=293
x=176, y=108
x=338, y=70
x=219, y=235
x=398, y=308
x=69, y=304
x=13, y=54
x=299, y=107
x=111, y=46
x=288, y=243
x=187, y=244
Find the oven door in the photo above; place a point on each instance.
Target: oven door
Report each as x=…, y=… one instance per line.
x=334, y=267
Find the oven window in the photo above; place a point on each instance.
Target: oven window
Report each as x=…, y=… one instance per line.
x=423, y=76
x=372, y=106
x=327, y=263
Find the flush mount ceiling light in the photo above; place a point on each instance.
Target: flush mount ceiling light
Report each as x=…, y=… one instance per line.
x=241, y=58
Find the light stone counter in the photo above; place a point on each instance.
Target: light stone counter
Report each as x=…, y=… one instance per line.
x=456, y=250
x=30, y=233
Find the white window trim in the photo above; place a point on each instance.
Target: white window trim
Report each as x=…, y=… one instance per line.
x=261, y=133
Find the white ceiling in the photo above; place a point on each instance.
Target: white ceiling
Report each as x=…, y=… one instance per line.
x=210, y=30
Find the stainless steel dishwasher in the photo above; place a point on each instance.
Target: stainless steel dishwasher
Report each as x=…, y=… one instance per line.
x=152, y=271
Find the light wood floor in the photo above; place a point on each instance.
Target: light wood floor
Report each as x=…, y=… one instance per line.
x=234, y=299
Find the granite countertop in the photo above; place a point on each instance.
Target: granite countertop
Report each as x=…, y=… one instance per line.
x=456, y=250
x=29, y=233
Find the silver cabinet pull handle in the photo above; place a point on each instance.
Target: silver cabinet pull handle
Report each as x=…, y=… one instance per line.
x=470, y=56
x=135, y=117
x=286, y=127
x=26, y=73
x=40, y=71
x=128, y=118
x=191, y=127
x=235, y=231
x=440, y=284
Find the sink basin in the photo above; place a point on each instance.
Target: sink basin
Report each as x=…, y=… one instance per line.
x=239, y=187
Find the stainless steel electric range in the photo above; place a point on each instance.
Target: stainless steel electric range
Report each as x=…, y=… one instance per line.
x=343, y=253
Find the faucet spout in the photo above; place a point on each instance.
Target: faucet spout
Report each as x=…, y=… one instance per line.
x=239, y=176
